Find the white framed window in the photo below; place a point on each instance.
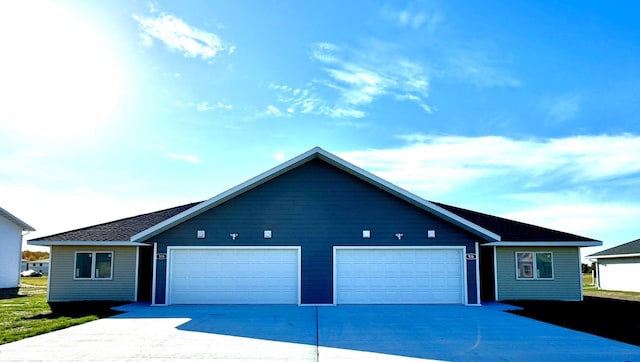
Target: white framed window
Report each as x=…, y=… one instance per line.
x=93, y=265
x=532, y=265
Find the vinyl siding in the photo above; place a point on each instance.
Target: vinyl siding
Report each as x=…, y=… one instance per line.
x=315, y=206
x=10, y=253
x=566, y=283
x=619, y=274
x=62, y=286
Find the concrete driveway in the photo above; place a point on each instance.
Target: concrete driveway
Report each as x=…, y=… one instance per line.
x=291, y=333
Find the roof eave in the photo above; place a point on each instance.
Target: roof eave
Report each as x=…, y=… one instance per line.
x=631, y=255
x=584, y=243
x=320, y=153
x=9, y=216
x=84, y=243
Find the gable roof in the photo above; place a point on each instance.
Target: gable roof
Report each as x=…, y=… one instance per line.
x=116, y=232
x=135, y=230
x=629, y=249
x=316, y=153
x=23, y=225
x=517, y=232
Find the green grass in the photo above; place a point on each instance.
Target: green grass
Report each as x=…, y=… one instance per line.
x=28, y=313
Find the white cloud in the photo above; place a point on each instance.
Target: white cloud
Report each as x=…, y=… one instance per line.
x=178, y=156
x=273, y=110
x=178, y=35
x=440, y=164
x=279, y=156
x=224, y=106
x=413, y=18
x=356, y=83
x=203, y=106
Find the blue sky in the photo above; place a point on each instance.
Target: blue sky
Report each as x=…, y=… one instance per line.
x=526, y=109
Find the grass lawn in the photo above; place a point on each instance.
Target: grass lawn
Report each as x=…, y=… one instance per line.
x=609, y=314
x=28, y=313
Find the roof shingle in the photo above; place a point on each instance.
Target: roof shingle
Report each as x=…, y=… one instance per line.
x=632, y=247
x=118, y=230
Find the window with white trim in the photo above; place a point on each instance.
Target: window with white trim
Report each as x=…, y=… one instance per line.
x=534, y=265
x=93, y=265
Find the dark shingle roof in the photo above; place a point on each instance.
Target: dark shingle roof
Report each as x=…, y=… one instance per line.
x=632, y=247
x=510, y=230
x=124, y=229
x=118, y=230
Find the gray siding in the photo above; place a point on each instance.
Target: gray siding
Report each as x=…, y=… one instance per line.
x=315, y=206
x=566, y=283
x=62, y=286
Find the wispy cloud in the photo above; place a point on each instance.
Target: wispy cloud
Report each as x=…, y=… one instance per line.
x=563, y=108
x=354, y=80
x=413, y=17
x=439, y=164
x=273, y=110
x=180, y=36
x=480, y=68
x=178, y=156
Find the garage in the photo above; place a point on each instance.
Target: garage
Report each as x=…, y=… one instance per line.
x=399, y=275
x=234, y=275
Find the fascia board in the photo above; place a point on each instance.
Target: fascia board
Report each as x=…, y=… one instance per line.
x=544, y=243
x=635, y=255
x=84, y=243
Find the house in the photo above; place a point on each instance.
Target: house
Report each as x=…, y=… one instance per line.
x=41, y=266
x=618, y=268
x=315, y=230
x=11, y=229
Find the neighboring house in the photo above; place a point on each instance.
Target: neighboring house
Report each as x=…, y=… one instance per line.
x=11, y=229
x=41, y=266
x=618, y=268
x=315, y=230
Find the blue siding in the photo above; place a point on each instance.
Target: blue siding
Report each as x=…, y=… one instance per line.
x=315, y=206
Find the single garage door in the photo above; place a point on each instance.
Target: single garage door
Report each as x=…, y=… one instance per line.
x=234, y=276
x=399, y=276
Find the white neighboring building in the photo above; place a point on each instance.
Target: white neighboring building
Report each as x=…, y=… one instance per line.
x=618, y=268
x=11, y=229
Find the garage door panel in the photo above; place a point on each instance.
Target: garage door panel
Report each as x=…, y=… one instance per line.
x=399, y=276
x=234, y=276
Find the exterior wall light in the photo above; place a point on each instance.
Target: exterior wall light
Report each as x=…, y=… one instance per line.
x=431, y=234
x=366, y=234
x=399, y=236
x=266, y=234
x=234, y=236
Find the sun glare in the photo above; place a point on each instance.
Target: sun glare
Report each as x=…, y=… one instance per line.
x=58, y=79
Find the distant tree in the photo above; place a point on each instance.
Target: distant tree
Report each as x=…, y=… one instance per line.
x=587, y=268
x=34, y=255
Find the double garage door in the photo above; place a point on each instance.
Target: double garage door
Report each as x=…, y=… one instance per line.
x=252, y=275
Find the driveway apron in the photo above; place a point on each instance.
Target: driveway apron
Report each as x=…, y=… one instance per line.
x=292, y=333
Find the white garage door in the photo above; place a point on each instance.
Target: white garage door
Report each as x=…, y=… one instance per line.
x=398, y=276
x=234, y=276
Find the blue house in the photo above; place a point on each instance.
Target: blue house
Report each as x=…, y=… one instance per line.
x=315, y=230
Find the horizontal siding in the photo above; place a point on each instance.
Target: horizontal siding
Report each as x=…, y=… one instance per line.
x=566, y=284
x=619, y=274
x=10, y=254
x=62, y=286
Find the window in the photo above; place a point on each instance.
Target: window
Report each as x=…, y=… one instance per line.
x=93, y=265
x=534, y=265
